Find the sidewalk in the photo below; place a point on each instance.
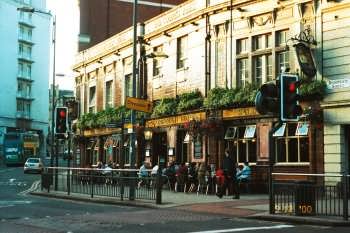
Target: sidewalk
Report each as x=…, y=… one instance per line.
x=252, y=206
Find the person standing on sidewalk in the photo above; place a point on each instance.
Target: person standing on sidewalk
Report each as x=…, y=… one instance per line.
x=229, y=169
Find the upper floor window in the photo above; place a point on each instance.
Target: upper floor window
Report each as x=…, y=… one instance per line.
x=282, y=37
x=25, y=32
x=181, y=53
x=24, y=69
x=242, y=46
x=258, y=42
x=282, y=61
x=23, y=108
x=263, y=41
x=25, y=50
x=23, y=89
x=25, y=16
x=92, y=99
x=258, y=69
x=128, y=85
x=242, y=72
x=157, y=63
x=220, y=56
x=108, y=94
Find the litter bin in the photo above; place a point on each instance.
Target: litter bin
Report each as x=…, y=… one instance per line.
x=305, y=198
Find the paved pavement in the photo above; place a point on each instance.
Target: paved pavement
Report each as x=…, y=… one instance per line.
x=248, y=206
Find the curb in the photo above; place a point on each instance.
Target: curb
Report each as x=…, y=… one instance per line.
x=301, y=220
x=98, y=200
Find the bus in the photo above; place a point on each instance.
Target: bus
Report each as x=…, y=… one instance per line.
x=18, y=147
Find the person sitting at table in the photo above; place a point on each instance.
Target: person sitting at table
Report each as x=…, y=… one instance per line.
x=244, y=174
x=143, y=173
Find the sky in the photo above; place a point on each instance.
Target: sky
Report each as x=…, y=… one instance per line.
x=67, y=30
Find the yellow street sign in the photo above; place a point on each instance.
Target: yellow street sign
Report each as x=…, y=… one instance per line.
x=138, y=104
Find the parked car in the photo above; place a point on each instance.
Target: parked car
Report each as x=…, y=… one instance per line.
x=33, y=165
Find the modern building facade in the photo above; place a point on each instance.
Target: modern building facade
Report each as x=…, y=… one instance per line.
x=25, y=68
x=101, y=19
x=211, y=47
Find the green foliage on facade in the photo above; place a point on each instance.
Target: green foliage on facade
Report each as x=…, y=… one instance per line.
x=165, y=107
x=189, y=101
x=101, y=118
x=217, y=98
x=224, y=97
x=315, y=90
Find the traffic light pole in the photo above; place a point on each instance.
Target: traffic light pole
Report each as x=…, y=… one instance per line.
x=271, y=163
x=68, y=160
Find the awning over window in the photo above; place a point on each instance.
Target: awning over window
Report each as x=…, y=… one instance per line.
x=250, y=131
x=187, y=138
x=91, y=144
x=280, y=132
x=302, y=129
x=126, y=142
x=230, y=133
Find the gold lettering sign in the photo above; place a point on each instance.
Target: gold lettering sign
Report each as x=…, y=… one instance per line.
x=239, y=112
x=175, y=120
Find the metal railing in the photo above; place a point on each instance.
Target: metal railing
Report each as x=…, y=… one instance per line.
x=310, y=194
x=99, y=182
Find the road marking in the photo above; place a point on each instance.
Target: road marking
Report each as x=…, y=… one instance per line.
x=14, y=202
x=32, y=188
x=246, y=229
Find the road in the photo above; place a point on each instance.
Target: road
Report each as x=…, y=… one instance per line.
x=21, y=212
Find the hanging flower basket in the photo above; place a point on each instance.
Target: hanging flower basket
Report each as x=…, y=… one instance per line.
x=193, y=127
x=212, y=127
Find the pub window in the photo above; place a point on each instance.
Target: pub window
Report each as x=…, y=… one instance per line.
x=181, y=53
x=292, y=146
x=244, y=144
x=197, y=146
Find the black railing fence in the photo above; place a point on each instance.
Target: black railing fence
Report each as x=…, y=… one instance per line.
x=311, y=195
x=100, y=182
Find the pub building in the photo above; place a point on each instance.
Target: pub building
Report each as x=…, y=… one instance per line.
x=201, y=46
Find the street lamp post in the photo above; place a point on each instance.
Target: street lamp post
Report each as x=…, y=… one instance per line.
x=134, y=71
x=33, y=10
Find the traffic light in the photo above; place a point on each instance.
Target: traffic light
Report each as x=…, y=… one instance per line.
x=61, y=120
x=266, y=100
x=290, y=108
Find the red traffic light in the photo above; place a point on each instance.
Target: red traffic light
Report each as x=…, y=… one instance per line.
x=62, y=113
x=292, y=87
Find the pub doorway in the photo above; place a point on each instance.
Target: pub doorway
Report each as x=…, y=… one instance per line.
x=159, y=147
x=182, y=147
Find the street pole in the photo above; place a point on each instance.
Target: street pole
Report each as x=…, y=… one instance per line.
x=134, y=72
x=53, y=91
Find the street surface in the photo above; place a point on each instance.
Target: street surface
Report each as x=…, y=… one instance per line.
x=21, y=212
